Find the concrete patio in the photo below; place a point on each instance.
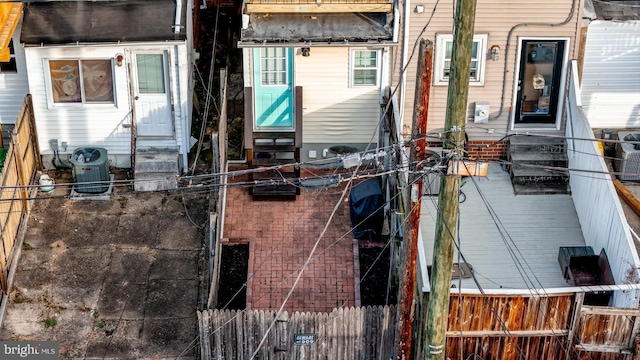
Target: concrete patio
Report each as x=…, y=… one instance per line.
x=119, y=278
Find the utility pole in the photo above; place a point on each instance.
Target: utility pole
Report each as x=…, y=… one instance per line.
x=446, y=227
x=413, y=202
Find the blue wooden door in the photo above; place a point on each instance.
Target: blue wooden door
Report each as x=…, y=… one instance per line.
x=273, y=89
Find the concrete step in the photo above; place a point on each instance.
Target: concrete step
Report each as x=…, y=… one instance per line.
x=273, y=183
x=540, y=144
x=536, y=158
x=157, y=161
x=541, y=189
x=521, y=174
x=155, y=181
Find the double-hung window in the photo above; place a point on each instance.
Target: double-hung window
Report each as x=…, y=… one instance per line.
x=81, y=81
x=365, y=68
x=10, y=66
x=444, y=53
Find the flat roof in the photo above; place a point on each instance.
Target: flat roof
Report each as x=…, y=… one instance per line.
x=64, y=22
x=319, y=28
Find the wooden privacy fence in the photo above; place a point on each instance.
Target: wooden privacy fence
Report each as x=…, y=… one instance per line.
x=539, y=327
x=20, y=167
x=345, y=333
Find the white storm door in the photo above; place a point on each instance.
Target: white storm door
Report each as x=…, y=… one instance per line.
x=152, y=97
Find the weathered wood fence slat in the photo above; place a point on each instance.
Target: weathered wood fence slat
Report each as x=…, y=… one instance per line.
x=20, y=166
x=345, y=333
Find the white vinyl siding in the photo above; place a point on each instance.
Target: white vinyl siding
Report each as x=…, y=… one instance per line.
x=14, y=85
x=105, y=126
x=334, y=112
x=495, y=18
x=611, y=74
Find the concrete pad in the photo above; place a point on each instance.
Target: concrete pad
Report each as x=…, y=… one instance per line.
x=124, y=300
x=136, y=230
x=24, y=319
x=179, y=235
x=103, y=196
x=119, y=340
x=90, y=230
x=46, y=227
x=95, y=207
x=81, y=267
x=130, y=265
x=171, y=298
x=169, y=337
x=95, y=258
x=175, y=264
x=141, y=203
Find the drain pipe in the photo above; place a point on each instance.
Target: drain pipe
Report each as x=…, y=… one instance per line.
x=405, y=61
x=506, y=52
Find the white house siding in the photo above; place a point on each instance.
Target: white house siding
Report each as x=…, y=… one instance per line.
x=105, y=126
x=611, y=74
x=13, y=85
x=333, y=112
x=495, y=18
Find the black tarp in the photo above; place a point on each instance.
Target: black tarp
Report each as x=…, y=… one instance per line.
x=365, y=204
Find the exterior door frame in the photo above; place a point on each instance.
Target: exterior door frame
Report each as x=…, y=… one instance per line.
x=561, y=93
x=167, y=85
x=291, y=89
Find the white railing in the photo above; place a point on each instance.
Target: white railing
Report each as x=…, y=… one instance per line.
x=602, y=219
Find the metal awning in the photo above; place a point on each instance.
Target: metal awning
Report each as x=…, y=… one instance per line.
x=345, y=29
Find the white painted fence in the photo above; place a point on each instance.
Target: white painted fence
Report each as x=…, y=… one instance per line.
x=602, y=219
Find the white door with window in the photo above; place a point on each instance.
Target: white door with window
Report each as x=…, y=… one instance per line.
x=152, y=103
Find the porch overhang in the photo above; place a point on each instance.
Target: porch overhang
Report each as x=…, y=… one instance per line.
x=345, y=29
x=317, y=8
x=9, y=16
x=64, y=22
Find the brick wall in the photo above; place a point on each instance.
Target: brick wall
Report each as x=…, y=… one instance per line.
x=486, y=150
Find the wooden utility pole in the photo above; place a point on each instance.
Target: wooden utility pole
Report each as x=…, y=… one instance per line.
x=412, y=208
x=446, y=227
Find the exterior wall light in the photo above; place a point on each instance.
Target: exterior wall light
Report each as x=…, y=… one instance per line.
x=495, y=53
x=306, y=51
x=119, y=58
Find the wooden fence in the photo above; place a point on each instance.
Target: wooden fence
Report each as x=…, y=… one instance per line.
x=345, y=333
x=20, y=167
x=539, y=327
x=219, y=195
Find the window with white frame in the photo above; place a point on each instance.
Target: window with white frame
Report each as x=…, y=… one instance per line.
x=10, y=66
x=444, y=52
x=365, y=68
x=81, y=81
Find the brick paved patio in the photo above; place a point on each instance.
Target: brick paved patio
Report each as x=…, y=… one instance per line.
x=282, y=234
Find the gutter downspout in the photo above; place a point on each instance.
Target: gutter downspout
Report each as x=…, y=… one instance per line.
x=405, y=56
x=176, y=26
x=186, y=124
